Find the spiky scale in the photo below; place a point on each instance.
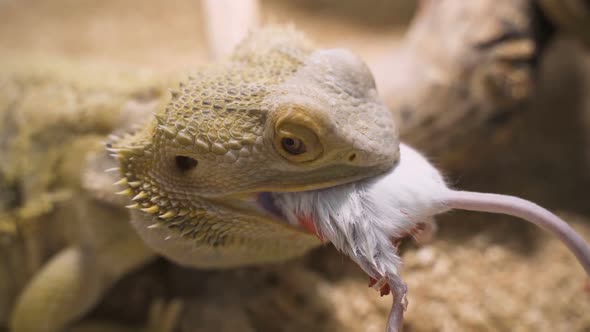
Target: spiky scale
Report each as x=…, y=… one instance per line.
x=187, y=232
x=196, y=213
x=140, y=196
x=152, y=209
x=169, y=132
x=184, y=139
x=234, y=144
x=112, y=169
x=134, y=184
x=126, y=192
x=136, y=150
x=177, y=223
x=121, y=182
x=155, y=225
x=132, y=206
x=160, y=119
x=218, y=148
x=201, y=145
x=130, y=151
x=169, y=214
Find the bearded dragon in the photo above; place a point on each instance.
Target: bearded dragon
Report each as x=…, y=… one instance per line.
x=196, y=169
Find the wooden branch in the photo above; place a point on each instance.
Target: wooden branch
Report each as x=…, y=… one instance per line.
x=463, y=65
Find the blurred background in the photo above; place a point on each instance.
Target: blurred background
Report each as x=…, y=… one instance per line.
x=481, y=273
x=171, y=35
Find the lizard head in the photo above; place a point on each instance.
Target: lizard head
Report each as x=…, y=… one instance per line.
x=274, y=117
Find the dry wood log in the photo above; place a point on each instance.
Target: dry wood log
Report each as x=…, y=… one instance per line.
x=463, y=66
x=572, y=16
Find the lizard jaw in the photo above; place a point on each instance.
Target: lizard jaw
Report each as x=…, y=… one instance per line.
x=266, y=201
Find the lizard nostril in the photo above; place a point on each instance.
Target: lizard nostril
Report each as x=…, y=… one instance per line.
x=352, y=157
x=185, y=163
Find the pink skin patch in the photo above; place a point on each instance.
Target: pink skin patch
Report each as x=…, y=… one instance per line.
x=384, y=290
x=307, y=223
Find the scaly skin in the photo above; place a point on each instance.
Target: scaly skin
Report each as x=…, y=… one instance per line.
x=55, y=116
x=229, y=121
x=275, y=116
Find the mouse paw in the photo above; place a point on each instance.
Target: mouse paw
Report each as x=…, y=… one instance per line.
x=381, y=285
x=425, y=232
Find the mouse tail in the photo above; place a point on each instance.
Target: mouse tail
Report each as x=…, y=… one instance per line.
x=529, y=211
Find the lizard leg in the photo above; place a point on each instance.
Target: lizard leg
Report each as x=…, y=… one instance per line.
x=73, y=281
x=65, y=288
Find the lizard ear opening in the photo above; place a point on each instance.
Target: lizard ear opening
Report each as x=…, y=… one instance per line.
x=185, y=164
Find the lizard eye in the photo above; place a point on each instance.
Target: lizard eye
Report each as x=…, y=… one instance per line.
x=297, y=143
x=296, y=135
x=292, y=145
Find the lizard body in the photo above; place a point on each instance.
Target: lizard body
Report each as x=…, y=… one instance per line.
x=276, y=116
x=54, y=116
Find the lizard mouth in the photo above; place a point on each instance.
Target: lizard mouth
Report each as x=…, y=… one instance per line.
x=266, y=201
x=271, y=204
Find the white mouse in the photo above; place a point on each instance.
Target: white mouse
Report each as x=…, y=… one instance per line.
x=366, y=219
